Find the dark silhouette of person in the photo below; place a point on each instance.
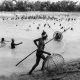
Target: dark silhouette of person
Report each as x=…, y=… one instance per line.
x=13, y=44
x=39, y=54
x=57, y=36
x=3, y=42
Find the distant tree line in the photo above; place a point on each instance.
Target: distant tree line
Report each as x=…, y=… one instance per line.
x=39, y=6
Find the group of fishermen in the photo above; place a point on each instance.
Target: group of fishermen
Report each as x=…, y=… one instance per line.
x=13, y=44
x=40, y=43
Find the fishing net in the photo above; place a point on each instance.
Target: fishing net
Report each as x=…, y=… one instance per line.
x=53, y=68
x=54, y=63
x=57, y=36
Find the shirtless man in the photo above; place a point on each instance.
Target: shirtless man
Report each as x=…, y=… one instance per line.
x=39, y=54
x=3, y=42
x=13, y=44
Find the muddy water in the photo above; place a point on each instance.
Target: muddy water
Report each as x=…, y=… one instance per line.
x=28, y=30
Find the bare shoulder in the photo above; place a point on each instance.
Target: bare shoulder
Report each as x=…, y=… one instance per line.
x=37, y=39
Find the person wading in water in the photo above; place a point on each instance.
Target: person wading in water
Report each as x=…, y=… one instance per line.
x=39, y=54
x=13, y=44
x=3, y=42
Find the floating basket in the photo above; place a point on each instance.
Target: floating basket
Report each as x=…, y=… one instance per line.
x=57, y=36
x=54, y=63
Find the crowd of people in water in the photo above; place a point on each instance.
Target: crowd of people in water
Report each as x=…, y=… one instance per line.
x=40, y=16
x=59, y=19
x=40, y=42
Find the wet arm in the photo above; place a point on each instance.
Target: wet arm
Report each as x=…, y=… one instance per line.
x=35, y=42
x=18, y=43
x=7, y=41
x=46, y=53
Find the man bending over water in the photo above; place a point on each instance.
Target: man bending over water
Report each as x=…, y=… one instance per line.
x=39, y=54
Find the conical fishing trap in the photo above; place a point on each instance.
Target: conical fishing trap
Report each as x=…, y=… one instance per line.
x=54, y=63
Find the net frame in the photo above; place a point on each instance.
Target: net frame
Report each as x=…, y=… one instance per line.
x=57, y=68
x=59, y=34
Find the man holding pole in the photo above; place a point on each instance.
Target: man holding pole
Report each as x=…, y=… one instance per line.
x=39, y=54
x=39, y=51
